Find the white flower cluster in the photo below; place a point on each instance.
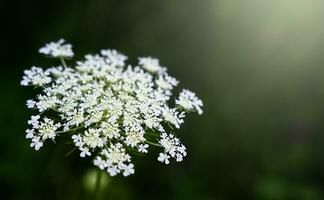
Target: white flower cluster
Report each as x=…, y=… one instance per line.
x=57, y=49
x=189, y=101
x=109, y=109
x=172, y=147
x=41, y=131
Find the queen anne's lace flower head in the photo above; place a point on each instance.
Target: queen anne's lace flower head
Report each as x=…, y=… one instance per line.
x=110, y=110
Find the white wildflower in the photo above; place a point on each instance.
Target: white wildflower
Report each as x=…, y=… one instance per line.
x=92, y=138
x=128, y=169
x=113, y=57
x=172, y=147
x=30, y=133
x=110, y=130
x=35, y=76
x=47, y=129
x=189, y=101
x=57, y=49
x=100, y=163
x=134, y=138
x=46, y=102
x=151, y=64
x=111, y=109
x=34, y=121
x=41, y=131
x=36, y=143
x=143, y=148
x=84, y=152
x=173, y=116
x=164, y=158
x=166, y=82
x=115, y=160
x=30, y=103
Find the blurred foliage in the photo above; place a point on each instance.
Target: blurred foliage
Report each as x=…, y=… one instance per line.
x=257, y=65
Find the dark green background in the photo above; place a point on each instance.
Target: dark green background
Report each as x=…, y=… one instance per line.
x=257, y=65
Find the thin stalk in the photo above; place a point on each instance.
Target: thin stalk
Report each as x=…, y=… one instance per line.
x=70, y=152
x=63, y=62
x=97, y=186
x=152, y=143
x=70, y=130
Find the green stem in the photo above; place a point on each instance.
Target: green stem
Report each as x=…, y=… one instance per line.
x=152, y=143
x=63, y=62
x=70, y=130
x=97, y=186
x=71, y=151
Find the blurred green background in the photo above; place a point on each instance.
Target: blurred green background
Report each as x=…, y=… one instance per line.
x=257, y=65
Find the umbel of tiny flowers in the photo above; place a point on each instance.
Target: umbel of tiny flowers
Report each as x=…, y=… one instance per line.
x=110, y=110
